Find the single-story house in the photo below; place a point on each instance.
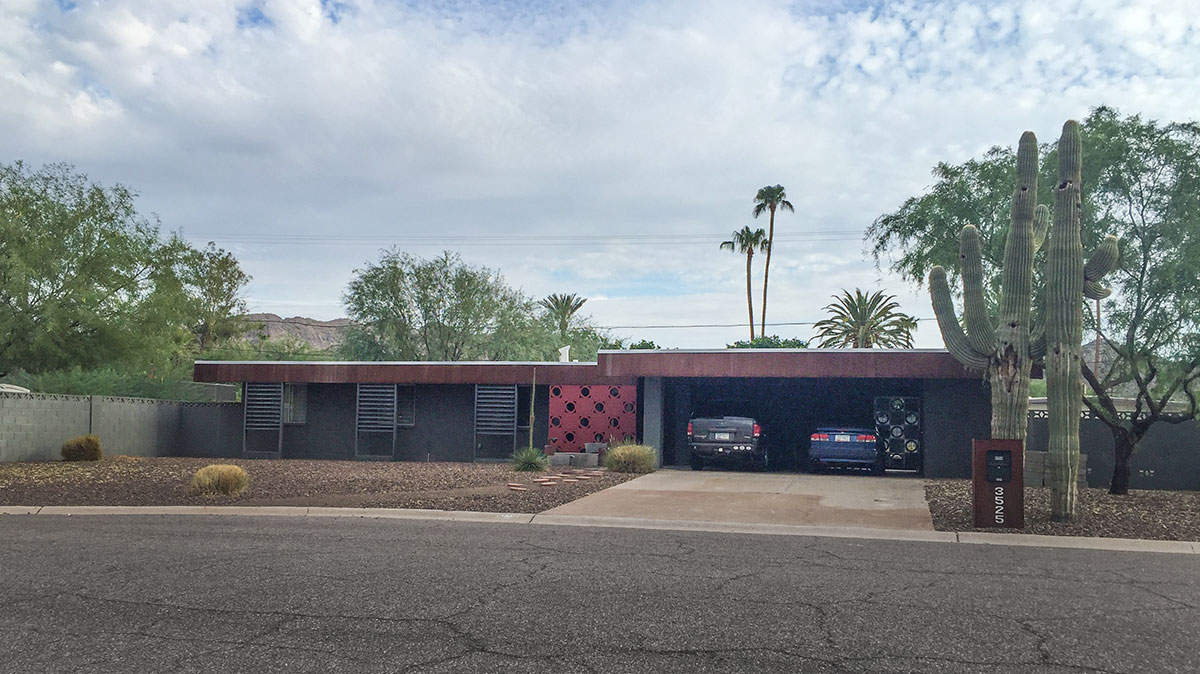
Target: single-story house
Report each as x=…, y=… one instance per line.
x=922, y=400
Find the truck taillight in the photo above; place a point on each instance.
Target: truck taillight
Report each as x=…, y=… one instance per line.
x=757, y=430
x=819, y=436
x=866, y=438
x=689, y=429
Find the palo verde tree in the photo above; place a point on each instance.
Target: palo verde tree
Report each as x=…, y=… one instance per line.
x=85, y=280
x=768, y=200
x=746, y=241
x=861, y=321
x=215, y=283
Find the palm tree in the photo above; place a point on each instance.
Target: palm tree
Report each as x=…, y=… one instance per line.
x=561, y=308
x=769, y=199
x=746, y=241
x=861, y=321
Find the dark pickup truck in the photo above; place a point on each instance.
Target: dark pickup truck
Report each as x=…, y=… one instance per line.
x=713, y=439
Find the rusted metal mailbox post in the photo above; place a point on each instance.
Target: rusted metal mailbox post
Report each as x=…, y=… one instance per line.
x=998, y=478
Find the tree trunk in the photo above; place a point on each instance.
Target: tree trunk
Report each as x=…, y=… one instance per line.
x=767, y=269
x=749, y=295
x=1123, y=446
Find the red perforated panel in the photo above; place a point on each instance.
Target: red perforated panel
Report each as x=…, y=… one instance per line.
x=580, y=414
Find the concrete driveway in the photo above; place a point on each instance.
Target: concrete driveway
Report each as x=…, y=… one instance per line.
x=764, y=498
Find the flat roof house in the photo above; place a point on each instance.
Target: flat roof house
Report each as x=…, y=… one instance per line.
x=926, y=403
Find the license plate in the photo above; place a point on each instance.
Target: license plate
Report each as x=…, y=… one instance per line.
x=842, y=438
x=722, y=436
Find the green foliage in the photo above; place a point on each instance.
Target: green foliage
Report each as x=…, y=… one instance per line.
x=631, y=459
x=220, y=479
x=172, y=384
x=769, y=342
x=862, y=321
x=530, y=459
x=646, y=344
x=84, y=279
x=215, y=282
x=82, y=448
x=409, y=308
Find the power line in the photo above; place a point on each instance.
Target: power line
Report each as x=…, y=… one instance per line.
x=316, y=324
x=546, y=240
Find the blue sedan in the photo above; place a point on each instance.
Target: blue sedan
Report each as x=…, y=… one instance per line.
x=845, y=447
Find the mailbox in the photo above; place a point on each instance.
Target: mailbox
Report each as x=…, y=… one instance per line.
x=998, y=482
x=999, y=466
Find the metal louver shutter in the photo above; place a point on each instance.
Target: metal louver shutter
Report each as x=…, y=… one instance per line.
x=495, y=410
x=376, y=407
x=264, y=406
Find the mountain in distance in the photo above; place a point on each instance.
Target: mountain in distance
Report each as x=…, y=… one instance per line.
x=320, y=335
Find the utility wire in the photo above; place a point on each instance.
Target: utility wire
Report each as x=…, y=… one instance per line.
x=317, y=324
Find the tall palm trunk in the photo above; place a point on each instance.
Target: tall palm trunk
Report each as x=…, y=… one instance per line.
x=749, y=295
x=767, y=269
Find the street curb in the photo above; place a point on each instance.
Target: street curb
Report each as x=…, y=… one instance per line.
x=905, y=535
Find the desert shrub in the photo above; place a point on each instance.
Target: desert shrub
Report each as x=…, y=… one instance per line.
x=82, y=448
x=631, y=459
x=220, y=478
x=530, y=459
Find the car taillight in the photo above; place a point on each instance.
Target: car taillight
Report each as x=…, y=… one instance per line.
x=689, y=429
x=866, y=438
x=820, y=436
x=757, y=430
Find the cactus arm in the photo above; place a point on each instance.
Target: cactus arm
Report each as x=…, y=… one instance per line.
x=1103, y=260
x=979, y=330
x=952, y=333
x=1094, y=291
x=1037, y=342
x=1041, y=226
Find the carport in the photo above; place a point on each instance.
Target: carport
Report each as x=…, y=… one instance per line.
x=793, y=391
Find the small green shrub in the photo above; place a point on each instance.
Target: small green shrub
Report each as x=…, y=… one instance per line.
x=220, y=478
x=530, y=459
x=82, y=448
x=631, y=459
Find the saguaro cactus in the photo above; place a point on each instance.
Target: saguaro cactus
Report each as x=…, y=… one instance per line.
x=1005, y=348
x=1068, y=280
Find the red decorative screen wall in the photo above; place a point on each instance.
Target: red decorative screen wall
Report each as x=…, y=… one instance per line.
x=580, y=414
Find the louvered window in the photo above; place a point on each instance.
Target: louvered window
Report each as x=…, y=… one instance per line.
x=495, y=410
x=376, y=407
x=264, y=406
x=295, y=403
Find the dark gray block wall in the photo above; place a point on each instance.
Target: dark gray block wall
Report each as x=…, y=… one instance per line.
x=955, y=412
x=135, y=426
x=1167, y=458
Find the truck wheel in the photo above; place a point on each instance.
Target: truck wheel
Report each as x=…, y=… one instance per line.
x=697, y=463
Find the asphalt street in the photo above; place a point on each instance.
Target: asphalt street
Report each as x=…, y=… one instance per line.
x=263, y=594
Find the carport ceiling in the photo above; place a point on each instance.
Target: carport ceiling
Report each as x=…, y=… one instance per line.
x=836, y=363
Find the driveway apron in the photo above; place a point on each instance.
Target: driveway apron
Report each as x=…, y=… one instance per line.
x=764, y=498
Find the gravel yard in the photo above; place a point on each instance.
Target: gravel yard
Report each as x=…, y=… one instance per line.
x=1163, y=515
x=122, y=480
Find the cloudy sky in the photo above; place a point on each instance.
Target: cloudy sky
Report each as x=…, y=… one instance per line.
x=602, y=148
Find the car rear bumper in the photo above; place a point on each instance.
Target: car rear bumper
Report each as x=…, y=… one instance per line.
x=715, y=450
x=843, y=452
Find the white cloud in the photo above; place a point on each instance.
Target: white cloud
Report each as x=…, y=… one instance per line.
x=626, y=118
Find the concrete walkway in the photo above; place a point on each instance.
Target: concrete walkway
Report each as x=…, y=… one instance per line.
x=763, y=498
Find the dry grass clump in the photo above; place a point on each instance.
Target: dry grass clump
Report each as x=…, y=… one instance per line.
x=82, y=448
x=220, y=479
x=631, y=459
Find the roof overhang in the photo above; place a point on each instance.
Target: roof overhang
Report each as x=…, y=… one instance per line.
x=419, y=372
x=830, y=363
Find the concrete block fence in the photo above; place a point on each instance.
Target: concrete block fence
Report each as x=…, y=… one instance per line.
x=33, y=426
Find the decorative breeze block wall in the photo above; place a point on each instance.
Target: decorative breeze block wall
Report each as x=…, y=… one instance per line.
x=581, y=414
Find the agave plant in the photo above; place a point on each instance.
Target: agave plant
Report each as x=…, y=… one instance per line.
x=862, y=321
